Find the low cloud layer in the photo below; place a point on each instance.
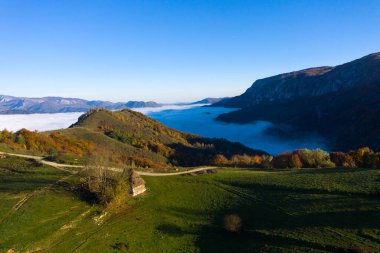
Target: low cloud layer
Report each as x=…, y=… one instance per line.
x=191, y=119
x=40, y=122
x=201, y=121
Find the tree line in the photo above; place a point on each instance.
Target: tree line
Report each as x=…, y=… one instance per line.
x=304, y=158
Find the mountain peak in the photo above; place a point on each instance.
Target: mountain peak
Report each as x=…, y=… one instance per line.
x=339, y=103
x=373, y=56
x=310, y=82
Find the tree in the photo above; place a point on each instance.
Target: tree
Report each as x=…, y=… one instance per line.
x=322, y=159
x=219, y=160
x=235, y=160
x=306, y=157
x=266, y=161
x=20, y=139
x=256, y=160
x=295, y=161
x=342, y=159
x=232, y=223
x=314, y=158
x=282, y=161
x=362, y=157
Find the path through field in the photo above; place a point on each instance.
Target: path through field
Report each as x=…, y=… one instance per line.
x=62, y=166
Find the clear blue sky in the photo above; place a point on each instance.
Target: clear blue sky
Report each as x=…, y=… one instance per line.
x=173, y=50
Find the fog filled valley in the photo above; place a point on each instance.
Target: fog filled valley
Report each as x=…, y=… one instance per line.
x=201, y=121
x=195, y=119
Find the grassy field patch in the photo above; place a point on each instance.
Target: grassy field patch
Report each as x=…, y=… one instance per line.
x=305, y=210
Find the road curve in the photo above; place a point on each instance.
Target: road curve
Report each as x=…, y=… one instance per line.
x=141, y=173
x=156, y=174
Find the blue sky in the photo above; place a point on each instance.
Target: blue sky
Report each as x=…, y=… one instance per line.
x=171, y=51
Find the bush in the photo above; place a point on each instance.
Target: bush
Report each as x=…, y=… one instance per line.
x=232, y=223
x=110, y=188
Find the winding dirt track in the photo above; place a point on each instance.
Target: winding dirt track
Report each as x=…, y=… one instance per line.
x=154, y=174
x=62, y=166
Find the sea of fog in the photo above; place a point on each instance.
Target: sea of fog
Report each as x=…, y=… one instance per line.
x=192, y=119
x=37, y=121
x=201, y=121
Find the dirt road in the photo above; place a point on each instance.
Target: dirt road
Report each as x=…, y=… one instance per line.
x=141, y=173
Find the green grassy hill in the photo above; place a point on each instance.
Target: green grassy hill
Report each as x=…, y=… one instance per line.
x=303, y=210
x=120, y=137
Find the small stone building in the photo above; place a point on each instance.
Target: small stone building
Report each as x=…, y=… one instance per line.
x=137, y=184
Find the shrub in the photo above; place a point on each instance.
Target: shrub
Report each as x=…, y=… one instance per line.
x=232, y=223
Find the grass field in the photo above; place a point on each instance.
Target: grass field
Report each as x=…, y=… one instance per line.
x=304, y=210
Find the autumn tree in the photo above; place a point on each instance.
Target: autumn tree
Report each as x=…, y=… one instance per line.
x=220, y=160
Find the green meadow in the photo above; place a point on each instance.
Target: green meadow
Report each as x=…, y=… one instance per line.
x=300, y=210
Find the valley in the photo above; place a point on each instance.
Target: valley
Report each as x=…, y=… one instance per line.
x=190, y=119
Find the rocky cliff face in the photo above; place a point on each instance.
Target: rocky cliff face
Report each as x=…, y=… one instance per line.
x=340, y=103
x=311, y=82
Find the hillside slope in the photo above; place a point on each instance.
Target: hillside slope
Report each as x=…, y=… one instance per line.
x=311, y=82
x=340, y=103
x=124, y=136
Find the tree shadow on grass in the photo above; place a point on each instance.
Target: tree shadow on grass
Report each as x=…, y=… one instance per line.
x=215, y=239
x=258, y=216
x=252, y=238
x=332, y=170
x=120, y=247
x=291, y=189
x=80, y=192
x=23, y=184
x=171, y=229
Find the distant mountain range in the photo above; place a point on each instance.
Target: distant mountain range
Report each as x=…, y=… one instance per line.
x=24, y=105
x=340, y=103
x=209, y=101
